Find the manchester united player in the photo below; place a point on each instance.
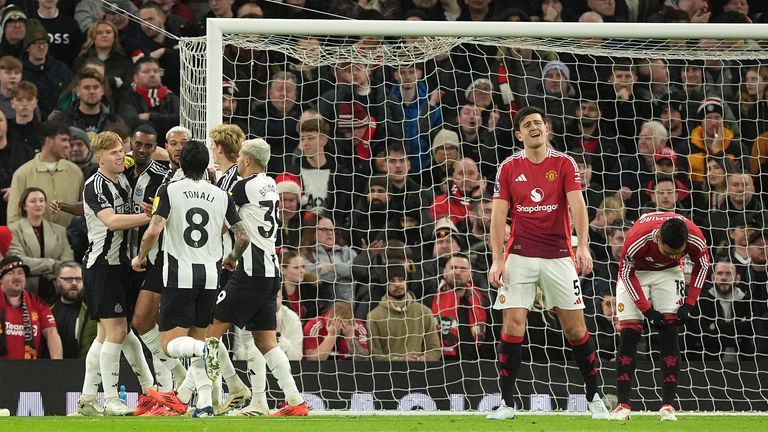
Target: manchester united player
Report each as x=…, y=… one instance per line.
x=651, y=285
x=536, y=187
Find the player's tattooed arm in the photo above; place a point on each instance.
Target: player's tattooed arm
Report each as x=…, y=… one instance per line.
x=242, y=239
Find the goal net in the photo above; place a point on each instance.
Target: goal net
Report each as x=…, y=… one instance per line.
x=669, y=119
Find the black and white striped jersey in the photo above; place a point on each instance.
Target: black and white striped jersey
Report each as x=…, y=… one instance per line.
x=195, y=212
x=145, y=187
x=99, y=193
x=257, y=199
x=228, y=178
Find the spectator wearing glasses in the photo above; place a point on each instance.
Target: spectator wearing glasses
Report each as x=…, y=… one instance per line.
x=75, y=327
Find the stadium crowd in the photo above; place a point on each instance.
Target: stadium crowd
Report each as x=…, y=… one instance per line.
x=385, y=174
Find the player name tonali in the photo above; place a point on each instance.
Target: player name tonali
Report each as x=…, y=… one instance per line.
x=198, y=195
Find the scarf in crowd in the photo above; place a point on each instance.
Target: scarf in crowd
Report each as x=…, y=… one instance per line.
x=456, y=194
x=446, y=308
x=30, y=351
x=362, y=146
x=152, y=97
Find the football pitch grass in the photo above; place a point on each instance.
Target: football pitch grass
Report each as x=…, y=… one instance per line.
x=405, y=423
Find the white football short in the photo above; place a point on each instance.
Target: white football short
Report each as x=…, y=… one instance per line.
x=555, y=277
x=662, y=288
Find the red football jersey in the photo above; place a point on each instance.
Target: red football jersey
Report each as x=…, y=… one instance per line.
x=41, y=318
x=538, y=205
x=641, y=252
x=317, y=329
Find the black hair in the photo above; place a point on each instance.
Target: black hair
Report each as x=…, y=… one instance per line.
x=146, y=128
x=194, y=159
x=144, y=60
x=51, y=128
x=673, y=233
x=525, y=112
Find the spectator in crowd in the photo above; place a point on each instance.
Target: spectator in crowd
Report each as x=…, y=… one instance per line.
x=10, y=75
x=473, y=130
x=370, y=215
x=445, y=242
x=177, y=13
x=87, y=13
x=102, y=43
x=663, y=196
x=76, y=328
x=555, y=95
x=331, y=261
x=63, y=181
x=712, y=192
x=737, y=250
x=465, y=186
x=605, y=326
x=66, y=37
x=479, y=237
x=12, y=156
x=24, y=317
x=24, y=128
x=711, y=138
x=154, y=43
x=147, y=99
x=608, y=214
x=49, y=74
x=606, y=272
x=741, y=200
x=671, y=117
x=461, y=310
x=89, y=112
x=412, y=108
x=726, y=315
x=69, y=96
x=401, y=328
x=757, y=276
x=289, y=214
x=654, y=85
x=277, y=120
x=42, y=245
x=128, y=31
x=80, y=152
x=753, y=97
x=302, y=292
x=694, y=11
x=621, y=105
x=230, y=105
x=402, y=187
x=588, y=132
x=219, y=9
x=638, y=169
x=290, y=334
x=446, y=148
x=14, y=25
x=336, y=334
x=326, y=184
x=757, y=162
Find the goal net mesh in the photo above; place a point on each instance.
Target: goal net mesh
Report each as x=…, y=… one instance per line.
x=633, y=113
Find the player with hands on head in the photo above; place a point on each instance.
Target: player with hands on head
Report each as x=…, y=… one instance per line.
x=651, y=285
x=536, y=188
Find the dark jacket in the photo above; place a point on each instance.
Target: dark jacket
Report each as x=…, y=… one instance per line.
x=50, y=78
x=163, y=117
x=72, y=116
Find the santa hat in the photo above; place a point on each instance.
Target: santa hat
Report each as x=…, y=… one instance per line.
x=290, y=183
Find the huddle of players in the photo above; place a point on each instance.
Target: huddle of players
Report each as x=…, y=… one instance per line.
x=181, y=277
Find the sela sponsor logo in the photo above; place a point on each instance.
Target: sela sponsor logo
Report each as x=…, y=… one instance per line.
x=537, y=195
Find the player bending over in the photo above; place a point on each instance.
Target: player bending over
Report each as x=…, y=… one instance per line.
x=651, y=285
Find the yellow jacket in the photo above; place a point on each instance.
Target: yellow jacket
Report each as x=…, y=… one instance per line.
x=697, y=160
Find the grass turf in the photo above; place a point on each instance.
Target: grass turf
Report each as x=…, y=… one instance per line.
x=408, y=423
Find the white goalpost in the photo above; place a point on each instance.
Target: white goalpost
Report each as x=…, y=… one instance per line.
x=723, y=370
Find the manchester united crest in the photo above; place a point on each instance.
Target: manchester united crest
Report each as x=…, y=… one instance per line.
x=620, y=307
x=551, y=175
x=502, y=299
